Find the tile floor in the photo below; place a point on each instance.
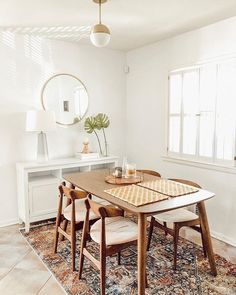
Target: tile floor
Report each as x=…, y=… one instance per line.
x=23, y=273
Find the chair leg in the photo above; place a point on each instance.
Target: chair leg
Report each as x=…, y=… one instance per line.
x=176, y=237
x=56, y=240
x=165, y=225
x=118, y=258
x=83, y=245
x=103, y=275
x=150, y=233
x=81, y=264
x=73, y=244
x=203, y=244
x=58, y=222
x=64, y=227
x=65, y=222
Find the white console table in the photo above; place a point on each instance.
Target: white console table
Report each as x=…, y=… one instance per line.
x=37, y=185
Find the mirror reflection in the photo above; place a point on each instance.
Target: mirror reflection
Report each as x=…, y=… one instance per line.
x=67, y=96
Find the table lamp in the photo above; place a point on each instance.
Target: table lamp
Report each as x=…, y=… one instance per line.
x=41, y=122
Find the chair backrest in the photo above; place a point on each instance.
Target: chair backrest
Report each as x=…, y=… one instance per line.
x=184, y=181
x=71, y=193
x=193, y=208
x=101, y=210
x=150, y=172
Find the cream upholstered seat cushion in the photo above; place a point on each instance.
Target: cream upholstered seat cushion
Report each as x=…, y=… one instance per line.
x=100, y=201
x=178, y=215
x=80, y=211
x=119, y=230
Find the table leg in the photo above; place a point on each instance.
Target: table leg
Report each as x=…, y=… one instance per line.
x=207, y=237
x=142, y=252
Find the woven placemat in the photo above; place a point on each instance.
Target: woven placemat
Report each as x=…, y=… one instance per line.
x=169, y=187
x=136, y=195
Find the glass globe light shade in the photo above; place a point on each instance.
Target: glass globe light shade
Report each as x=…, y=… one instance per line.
x=100, y=35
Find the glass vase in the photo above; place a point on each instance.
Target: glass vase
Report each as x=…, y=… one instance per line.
x=106, y=150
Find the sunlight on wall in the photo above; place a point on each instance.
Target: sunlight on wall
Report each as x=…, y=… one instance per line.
x=8, y=39
x=33, y=48
x=12, y=72
x=66, y=33
x=34, y=44
x=24, y=57
x=39, y=52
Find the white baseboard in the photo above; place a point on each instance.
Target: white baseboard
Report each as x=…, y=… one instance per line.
x=223, y=238
x=8, y=222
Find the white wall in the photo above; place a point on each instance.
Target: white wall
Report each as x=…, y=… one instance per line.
x=147, y=88
x=25, y=64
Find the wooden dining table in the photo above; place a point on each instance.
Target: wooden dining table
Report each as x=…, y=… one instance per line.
x=94, y=183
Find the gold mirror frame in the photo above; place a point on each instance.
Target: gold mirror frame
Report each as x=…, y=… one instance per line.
x=43, y=90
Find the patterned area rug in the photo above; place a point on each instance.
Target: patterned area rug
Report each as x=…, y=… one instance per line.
x=191, y=278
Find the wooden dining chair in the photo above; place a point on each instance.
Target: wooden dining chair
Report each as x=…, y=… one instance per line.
x=74, y=213
x=179, y=218
x=113, y=232
x=150, y=172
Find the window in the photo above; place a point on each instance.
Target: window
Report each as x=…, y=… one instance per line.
x=202, y=113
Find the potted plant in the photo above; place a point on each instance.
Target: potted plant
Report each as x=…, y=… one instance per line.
x=93, y=124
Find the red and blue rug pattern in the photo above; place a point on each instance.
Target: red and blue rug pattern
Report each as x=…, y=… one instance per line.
x=192, y=276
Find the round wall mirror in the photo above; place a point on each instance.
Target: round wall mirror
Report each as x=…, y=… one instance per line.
x=67, y=96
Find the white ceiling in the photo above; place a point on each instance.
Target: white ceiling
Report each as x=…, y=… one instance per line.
x=133, y=23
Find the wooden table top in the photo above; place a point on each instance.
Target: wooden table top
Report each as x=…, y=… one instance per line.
x=94, y=182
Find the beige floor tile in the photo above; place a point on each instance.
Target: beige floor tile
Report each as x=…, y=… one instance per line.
x=26, y=278
x=9, y=258
x=31, y=262
x=11, y=234
x=23, y=282
x=13, y=248
x=4, y=271
x=51, y=287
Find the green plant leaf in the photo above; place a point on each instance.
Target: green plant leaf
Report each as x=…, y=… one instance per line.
x=102, y=121
x=90, y=124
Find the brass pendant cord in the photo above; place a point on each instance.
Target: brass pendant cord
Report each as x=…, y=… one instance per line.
x=100, y=11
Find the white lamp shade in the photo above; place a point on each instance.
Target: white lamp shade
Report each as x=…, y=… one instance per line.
x=40, y=121
x=100, y=39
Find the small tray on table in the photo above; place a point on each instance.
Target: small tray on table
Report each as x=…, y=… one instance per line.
x=123, y=180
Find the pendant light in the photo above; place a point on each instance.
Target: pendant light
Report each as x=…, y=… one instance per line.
x=100, y=34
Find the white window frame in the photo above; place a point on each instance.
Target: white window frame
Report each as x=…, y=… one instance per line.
x=226, y=165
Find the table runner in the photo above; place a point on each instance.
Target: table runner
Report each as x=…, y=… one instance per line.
x=169, y=187
x=136, y=195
